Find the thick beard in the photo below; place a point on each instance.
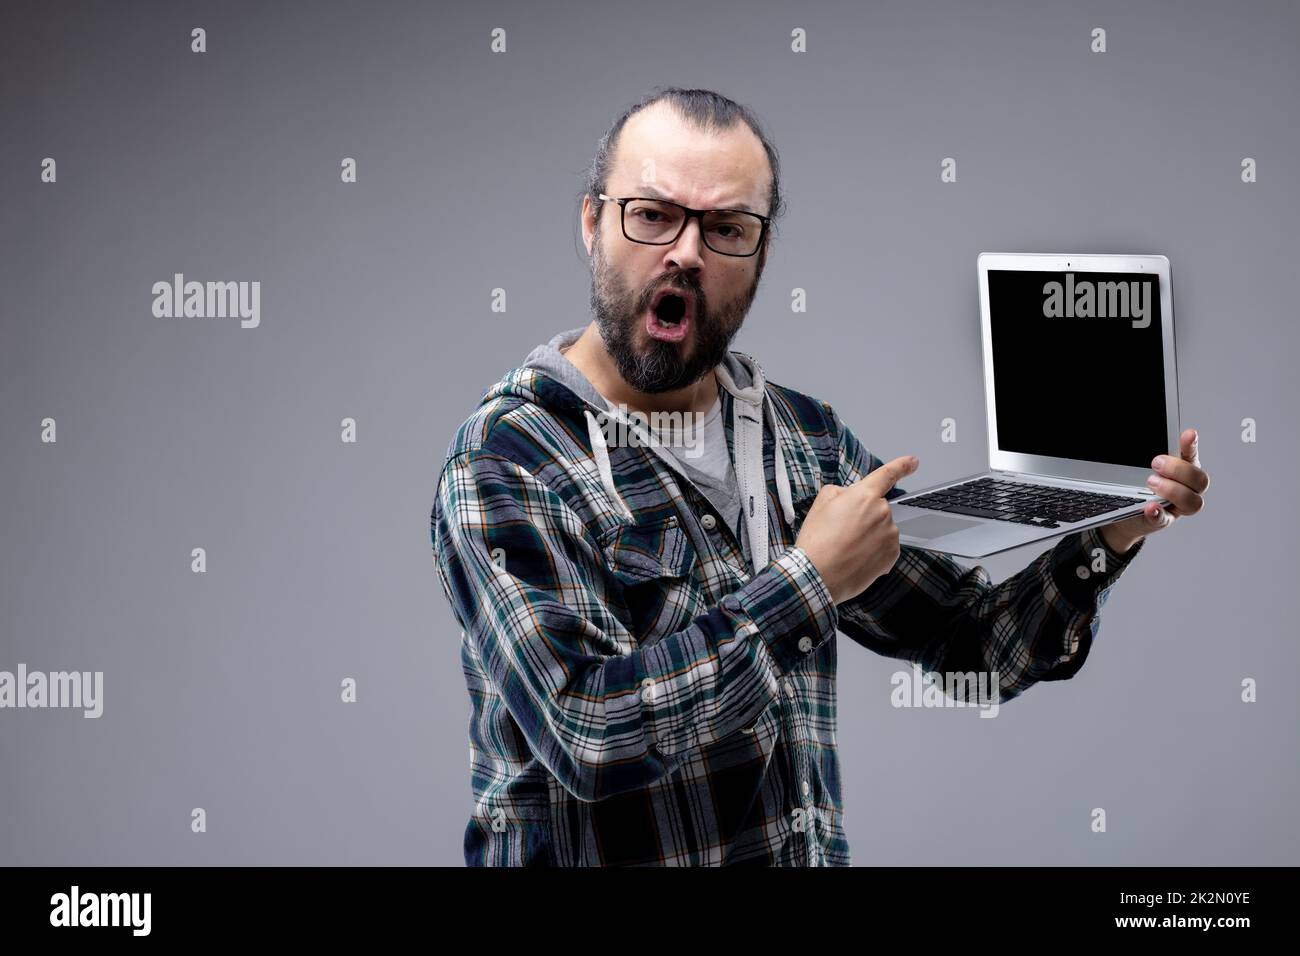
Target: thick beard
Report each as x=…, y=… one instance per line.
x=660, y=367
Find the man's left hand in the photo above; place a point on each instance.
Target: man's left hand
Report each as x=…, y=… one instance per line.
x=1180, y=481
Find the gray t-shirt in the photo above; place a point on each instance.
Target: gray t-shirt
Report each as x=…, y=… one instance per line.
x=701, y=450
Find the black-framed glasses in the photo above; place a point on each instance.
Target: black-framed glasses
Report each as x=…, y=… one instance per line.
x=658, y=222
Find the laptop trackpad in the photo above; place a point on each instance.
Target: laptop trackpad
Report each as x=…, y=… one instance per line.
x=927, y=527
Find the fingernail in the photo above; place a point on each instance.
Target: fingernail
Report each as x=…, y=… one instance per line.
x=1158, y=463
x=1153, y=480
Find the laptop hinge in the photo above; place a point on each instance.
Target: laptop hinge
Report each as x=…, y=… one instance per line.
x=1128, y=489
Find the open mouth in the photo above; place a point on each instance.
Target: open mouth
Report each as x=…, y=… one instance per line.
x=669, y=316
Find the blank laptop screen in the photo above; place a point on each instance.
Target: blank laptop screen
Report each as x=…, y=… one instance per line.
x=1078, y=365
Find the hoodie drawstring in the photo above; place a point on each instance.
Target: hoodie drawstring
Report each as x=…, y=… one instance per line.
x=600, y=449
x=747, y=433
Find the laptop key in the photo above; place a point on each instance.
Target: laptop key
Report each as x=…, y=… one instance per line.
x=926, y=503
x=973, y=512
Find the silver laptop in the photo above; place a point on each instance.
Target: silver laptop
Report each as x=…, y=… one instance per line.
x=1081, y=392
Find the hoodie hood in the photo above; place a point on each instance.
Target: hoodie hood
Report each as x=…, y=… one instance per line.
x=751, y=407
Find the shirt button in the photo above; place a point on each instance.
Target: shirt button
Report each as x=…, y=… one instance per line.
x=805, y=644
x=807, y=788
x=789, y=690
x=709, y=522
x=648, y=689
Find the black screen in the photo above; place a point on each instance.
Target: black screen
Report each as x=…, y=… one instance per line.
x=1078, y=366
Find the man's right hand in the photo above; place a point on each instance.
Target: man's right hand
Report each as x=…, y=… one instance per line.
x=849, y=532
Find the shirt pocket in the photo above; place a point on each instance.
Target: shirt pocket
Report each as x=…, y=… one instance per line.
x=642, y=553
x=651, y=565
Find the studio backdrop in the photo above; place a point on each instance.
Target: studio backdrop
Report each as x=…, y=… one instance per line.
x=219, y=518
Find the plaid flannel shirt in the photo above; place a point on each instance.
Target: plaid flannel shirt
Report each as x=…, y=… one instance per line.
x=638, y=697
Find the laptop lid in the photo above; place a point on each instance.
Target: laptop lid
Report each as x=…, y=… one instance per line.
x=1080, y=376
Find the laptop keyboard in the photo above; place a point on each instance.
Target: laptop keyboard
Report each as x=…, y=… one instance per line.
x=1020, y=503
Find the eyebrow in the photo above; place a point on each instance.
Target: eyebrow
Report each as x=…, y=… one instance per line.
x=657, y=194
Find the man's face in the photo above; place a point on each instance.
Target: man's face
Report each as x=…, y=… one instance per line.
x=696, y=169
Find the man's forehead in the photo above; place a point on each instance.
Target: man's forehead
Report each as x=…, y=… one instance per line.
x=660, y=154
x=680, y=196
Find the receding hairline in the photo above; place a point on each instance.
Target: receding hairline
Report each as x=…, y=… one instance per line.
x=707, y=125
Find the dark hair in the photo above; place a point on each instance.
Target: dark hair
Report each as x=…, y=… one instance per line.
x=703, y=109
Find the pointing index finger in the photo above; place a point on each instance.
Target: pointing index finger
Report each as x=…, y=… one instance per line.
x=880, y=480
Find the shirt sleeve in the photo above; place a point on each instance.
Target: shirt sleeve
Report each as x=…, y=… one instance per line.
x=601, y=719
x=1037, y=625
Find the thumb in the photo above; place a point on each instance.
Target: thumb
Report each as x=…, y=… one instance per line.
x=1155, y=517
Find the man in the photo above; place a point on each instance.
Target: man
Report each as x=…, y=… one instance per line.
x=649, y=625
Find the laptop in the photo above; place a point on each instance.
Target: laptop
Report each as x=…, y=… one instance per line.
x=1081, y=392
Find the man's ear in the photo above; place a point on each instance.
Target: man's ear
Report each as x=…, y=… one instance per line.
x=588, y=223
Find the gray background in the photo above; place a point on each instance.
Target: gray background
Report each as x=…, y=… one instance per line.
x=222, y=689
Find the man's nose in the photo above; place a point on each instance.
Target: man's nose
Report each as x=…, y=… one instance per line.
x=688, y=251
